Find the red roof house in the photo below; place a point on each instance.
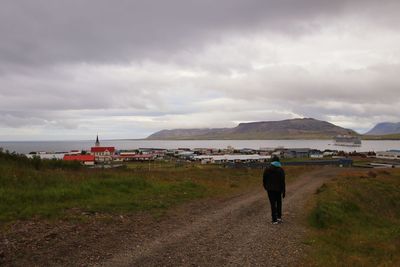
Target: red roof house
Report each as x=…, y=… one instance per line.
x=85, y=159
x=103, y=153
x=102, y=149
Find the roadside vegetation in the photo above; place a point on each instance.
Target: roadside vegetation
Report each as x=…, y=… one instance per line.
x=34, y=188
x=356, y=221
x=382, y=137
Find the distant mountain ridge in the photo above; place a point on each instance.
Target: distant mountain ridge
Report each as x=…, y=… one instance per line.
x=385, y=128
x=306, y=128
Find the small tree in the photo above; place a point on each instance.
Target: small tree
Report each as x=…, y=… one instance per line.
x=37, y=162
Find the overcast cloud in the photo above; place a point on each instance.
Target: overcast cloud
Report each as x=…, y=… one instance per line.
x=125, y=69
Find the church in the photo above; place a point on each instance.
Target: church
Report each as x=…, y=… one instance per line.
x=102, y=153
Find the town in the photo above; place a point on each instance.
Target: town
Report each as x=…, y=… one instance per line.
x=109, y=156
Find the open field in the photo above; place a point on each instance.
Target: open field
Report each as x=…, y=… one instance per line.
x=356, y=220
x=45, y=189
x=381, y=137
x=48, y=211
x=50, y=193
x=183, y=213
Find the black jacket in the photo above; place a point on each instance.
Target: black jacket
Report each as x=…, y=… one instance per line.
x=274, y=179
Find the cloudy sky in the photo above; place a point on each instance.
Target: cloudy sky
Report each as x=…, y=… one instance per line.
x=127, y=68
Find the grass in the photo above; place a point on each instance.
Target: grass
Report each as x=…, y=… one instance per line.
x=356, y=221
x=27, y=193
x=51, y=189
x=155, y=165
x=382, y=137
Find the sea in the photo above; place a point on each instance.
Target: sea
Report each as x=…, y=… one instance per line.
x=24, y=147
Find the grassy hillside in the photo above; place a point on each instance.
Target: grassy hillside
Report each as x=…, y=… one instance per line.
x=381, y=137
x=26, y=192
x=306, y=128
x=52, y=189
x=252, y=136
x=385, y=128
x=356, y=221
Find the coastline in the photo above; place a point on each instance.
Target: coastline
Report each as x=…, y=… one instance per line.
x=25, y=147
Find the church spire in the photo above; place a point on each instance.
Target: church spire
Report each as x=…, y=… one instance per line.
x=97, y=140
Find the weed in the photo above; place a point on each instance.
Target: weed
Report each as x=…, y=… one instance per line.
x=356, y=221
x=321, y=189
x=52, y=189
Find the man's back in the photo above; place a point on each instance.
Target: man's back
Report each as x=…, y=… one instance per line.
x=274, y=179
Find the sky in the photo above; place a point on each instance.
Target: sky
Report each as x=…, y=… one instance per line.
x=127, y=68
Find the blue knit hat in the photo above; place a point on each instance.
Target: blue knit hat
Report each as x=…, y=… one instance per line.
x=276, y=164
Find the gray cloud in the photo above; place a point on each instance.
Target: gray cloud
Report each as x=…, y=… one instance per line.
x=130, y=68
x=50, y=32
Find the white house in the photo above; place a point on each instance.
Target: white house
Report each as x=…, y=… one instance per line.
x=392, y=154
x=231, y=158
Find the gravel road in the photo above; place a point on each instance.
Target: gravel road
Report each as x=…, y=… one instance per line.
x=236, y=232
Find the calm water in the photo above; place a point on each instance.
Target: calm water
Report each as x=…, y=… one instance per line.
x=58, y=146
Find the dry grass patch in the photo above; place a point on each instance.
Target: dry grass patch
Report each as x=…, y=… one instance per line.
x=356, y=220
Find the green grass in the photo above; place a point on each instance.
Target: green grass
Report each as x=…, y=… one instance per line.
x=381, y=137
x=55, y=189
x=50, y=196
x=161, y=165
x=44, y=189
x=356, y=221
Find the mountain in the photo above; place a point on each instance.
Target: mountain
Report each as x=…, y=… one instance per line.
x=306, y=128
x=384, y=128
x=187, y=133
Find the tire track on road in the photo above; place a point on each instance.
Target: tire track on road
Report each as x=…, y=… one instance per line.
x=235, y=233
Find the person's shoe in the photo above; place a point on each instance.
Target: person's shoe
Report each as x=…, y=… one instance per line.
x=279, y=220
x=274, y=222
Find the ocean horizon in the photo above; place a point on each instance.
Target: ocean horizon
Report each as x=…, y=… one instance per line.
x=24, y=147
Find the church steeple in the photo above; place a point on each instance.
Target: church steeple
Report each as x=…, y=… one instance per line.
x=97, y=140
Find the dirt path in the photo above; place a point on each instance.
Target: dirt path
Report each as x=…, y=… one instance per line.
x=236, y=232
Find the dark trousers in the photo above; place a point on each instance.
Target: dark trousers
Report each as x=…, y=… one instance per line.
x=275, y=199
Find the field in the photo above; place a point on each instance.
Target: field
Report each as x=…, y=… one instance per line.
x=56, y=213
x=47, y=206
x=53, y=189
x=356, y=221
x=381, y=137
x=28, y=192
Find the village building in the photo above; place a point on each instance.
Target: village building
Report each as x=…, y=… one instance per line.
x=87, y=160
x=218, y=159
x=247, y=151
x=101, y=153
x=296, y=153
x=316, y=154
x=203, y=151
x=187, y=155
x=391, y=154
x=266, y=151
x=46, y=155
x=329, y=153
x=75, y=152
x=134, y=157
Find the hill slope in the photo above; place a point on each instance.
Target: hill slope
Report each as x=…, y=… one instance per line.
x=385, y=128
x=306, y=128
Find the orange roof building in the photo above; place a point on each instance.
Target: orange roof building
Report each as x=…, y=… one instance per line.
x=85, y=159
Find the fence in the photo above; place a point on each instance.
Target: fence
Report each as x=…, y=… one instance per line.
x=262, y=165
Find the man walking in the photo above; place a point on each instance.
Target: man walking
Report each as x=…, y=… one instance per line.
x=274, y=184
